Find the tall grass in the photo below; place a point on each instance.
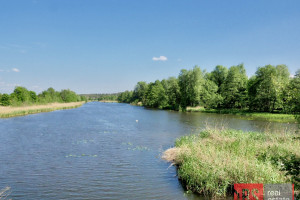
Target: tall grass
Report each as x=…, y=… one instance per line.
x=212, y=161
x=6, y=112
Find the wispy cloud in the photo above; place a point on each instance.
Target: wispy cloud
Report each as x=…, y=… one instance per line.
x=160, y=58
x=15, y=70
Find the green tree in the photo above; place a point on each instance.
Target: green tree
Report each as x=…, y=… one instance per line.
x=21, y=95
x=140, y=91
x=156, y=96
x=266, y=89
x=125, y=97
x=293, y=94
x=5, y=100
x=218, y=76
x=190, y=83
x=68, y=96
x=33, y=96
x=173, y=93
x=209, y=95
x=234, y=89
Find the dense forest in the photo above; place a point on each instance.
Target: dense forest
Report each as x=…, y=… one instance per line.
x=22, y=96
x=271, y=89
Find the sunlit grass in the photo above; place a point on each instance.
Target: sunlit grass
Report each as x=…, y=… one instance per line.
x=212, y=161
x=8, y=111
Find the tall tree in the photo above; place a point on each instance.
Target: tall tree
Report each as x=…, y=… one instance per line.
x=140, y=91
x=190, y=83
x=218, y=76
x=21, y=95
x=209, y=95
x=173, y=93
x=234, y=89
x=156, y=96
x=267, y=87
x=293, y=94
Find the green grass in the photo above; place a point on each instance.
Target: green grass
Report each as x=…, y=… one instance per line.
x=275, y=117
x=212, y=161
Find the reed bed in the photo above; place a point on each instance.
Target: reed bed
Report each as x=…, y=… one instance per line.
x=211, y=162
x=10, y=111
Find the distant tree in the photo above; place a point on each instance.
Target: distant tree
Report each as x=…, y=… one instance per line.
x=5, y=100
x=68, y=96
x=234, y=89
x=83, y=98
x=125, y=97
x=21, y=95
x=33, y=96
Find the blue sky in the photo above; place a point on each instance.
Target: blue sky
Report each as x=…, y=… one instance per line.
x=99, y=46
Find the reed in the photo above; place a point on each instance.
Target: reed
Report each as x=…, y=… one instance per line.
x=212, y=161
x=9, y=111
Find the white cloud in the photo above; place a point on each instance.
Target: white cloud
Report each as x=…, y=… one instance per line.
x=15, y=70
x=160, y=58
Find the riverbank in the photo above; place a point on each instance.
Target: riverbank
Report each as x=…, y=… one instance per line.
x=9, y=111
x=212, y=161
x=272, y=117
x=108, y=101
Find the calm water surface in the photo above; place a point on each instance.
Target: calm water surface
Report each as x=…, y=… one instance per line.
x=101, y=151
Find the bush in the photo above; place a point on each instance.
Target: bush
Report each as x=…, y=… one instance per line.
x=5, y=100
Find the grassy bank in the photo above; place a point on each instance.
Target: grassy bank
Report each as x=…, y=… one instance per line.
x=9, y=111
x=275, y=117
x=212, y=161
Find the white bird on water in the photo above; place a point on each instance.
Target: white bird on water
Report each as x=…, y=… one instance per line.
x=136, y=121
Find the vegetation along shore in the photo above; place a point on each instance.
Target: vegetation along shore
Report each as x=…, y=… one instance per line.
x=250, y=115
x=23, y=102
x=225, y=90
x=9, y=111
x=212, y=161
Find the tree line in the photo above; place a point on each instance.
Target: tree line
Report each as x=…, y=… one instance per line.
x=101, y=97
x=271, y=89
x=22, y=96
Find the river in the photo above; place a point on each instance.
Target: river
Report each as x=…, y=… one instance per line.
x=101, y=151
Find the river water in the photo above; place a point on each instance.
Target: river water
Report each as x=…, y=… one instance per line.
x=101, y=151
